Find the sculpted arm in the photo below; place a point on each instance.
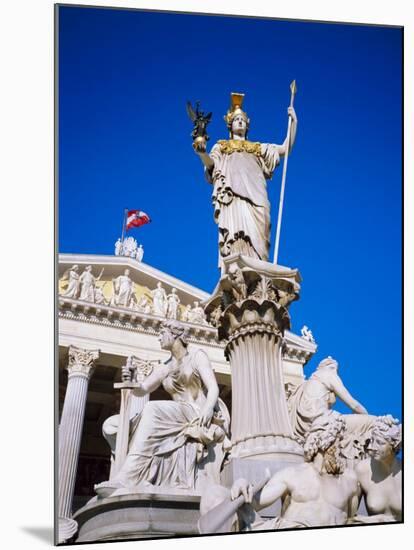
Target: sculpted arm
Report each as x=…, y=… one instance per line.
x=344, y=395
x=209, y=380
x=274, y=489
x=293, y=129
x=152, y=382
x=200, y=149
x=354, y=501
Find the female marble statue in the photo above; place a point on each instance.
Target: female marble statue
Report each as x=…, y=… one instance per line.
x=171, y=444
x=72, y=290
x=238, y=170
x=380, y=475
x=320, y=492
x=315, y=397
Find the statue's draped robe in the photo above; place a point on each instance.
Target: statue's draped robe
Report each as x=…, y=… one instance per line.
x=88, y=286
x=167, y=446
x=123, y=290
x=73, y=286
x=241, y=206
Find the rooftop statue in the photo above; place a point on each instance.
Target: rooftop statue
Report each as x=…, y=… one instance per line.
x=173, y=301
x=72, y=290
x=123, y=289
x=159, y=300
x=88, y=284
x=239, y=169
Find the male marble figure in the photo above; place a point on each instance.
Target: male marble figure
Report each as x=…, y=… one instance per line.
x=123, y=290
x=320, y=492
x=159, y=300
x=118, y=247
x=238, y=170
x=196, y=314
x=139, y=254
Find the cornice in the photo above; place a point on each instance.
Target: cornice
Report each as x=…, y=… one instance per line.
x=130, y=320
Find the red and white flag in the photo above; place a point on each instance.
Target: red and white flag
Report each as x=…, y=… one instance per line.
x=136, y=218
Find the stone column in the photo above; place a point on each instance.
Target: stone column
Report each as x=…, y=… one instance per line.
x=80, y=368
x=249, y=308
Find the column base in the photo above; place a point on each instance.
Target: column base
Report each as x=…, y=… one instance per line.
x=67, y=529
x=254, y=471
x=268, y=447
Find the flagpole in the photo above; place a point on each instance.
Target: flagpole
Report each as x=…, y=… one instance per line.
x=124, y=224
x=285, y=162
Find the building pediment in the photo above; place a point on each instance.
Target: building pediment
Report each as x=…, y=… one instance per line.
x=144, y=276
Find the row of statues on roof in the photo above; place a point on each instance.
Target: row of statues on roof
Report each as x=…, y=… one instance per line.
x=129, y=247
x=183, y=443
x=84, y=287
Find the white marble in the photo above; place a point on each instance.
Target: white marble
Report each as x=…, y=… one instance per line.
x=380, y=475
x=72, y=290
x=173, y=441
x=159, y=300
x=320, y=492
x=80, y=368
x=123, y=290
x=241, y=204
x=173, y=302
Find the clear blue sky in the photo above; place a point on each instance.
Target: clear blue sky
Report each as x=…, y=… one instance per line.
x=124, y=141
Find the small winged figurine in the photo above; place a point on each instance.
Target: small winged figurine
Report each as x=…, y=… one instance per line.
x=200, y=121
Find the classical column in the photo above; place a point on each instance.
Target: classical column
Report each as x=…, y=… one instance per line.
x=80, y=367
x=249, y=308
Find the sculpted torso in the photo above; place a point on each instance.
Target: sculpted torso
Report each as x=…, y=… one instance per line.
x=382, y=489
x=318, y=499
x=182, y=381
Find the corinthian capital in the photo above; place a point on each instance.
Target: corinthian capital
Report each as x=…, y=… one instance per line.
x=81, y=361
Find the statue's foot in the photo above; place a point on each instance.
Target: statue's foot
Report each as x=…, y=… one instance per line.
x=106, y=488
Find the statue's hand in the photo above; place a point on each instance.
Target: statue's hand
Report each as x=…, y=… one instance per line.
x=206, y=415
x=242, y=487
x=199, y=146
x=292, y=113
x=360, y=409
x=126, y=373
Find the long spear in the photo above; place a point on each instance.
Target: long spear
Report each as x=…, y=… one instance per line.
x=293, y=90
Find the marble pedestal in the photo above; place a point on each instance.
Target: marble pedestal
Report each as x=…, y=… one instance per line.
x=150, y=514
x=253, y=470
